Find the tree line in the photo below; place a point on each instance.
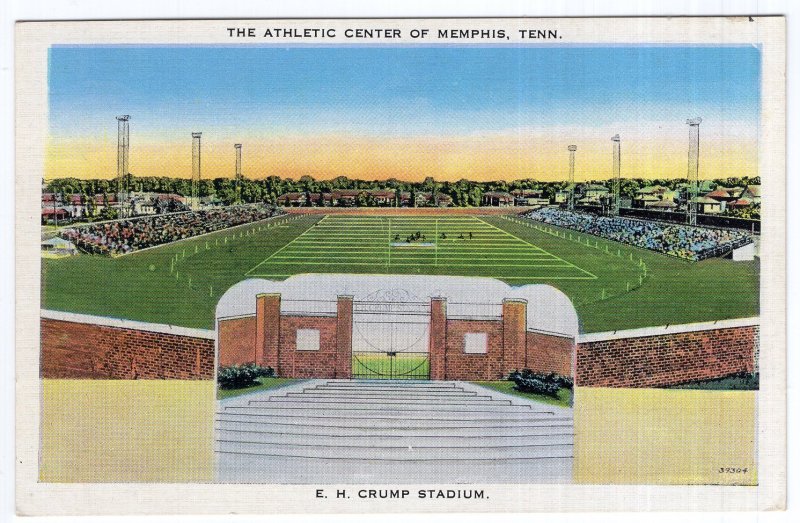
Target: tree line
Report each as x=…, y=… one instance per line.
x=464, y=193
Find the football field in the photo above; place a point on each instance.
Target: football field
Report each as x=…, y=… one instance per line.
x=612, y=285
x=454, y=245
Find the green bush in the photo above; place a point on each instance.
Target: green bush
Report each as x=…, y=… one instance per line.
x=539, y=383
x=738, y=381
x=242, y=376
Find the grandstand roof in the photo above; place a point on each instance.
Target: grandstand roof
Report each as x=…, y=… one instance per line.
x=665, y=204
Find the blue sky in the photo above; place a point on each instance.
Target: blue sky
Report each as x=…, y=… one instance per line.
x=394, y=91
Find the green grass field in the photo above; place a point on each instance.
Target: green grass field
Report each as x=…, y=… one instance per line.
x=263, y=384
x=381, y=366
x=456, y=245
x=613, y=286
x=564, y=398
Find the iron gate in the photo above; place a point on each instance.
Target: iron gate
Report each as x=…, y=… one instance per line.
x=390, y=336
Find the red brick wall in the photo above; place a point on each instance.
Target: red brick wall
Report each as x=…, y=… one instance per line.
x=514, y=334
x=237, y=336
x=295, y=363
x=547, y=353
x=669, y=359
x=462, y=366
x=437, y=343
x=86, y=351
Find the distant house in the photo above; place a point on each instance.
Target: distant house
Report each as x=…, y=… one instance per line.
x=54, y=214
x=169, y=203
x=101, y=199
x=59, y=247
x=382, y=197
x=648, y=196
x=706, y=205
x=752, y=193
x=345, y=197
x=663, y=205
x=530, y=197
x=562, y=197
x=292, y=199
x=643, y=201
x=320, y=199
x=591, y=193
x=443, y=200
x=722, y=196
x=497, y=199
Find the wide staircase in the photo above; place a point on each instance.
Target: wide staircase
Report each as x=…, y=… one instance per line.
x=351, y=431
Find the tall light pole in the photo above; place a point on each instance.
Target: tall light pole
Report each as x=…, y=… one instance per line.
x=195, y=204
x=571, y=195
x=693, y=168
x=238, y=148
x=614, y=211
x=123, y=146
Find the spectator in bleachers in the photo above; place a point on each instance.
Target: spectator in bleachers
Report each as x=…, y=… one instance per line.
x=683, y=241
x=124, y=236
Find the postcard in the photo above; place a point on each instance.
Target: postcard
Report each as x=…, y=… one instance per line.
x=400, y=265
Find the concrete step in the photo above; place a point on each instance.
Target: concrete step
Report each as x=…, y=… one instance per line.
x=393, y=420
x=315, y=407
x=342, y=431
x=390, y=441
x=248, y=468
x=388, y=389
x=474, y=453
x=364, y=382
x=422, y=394
x=348, y=400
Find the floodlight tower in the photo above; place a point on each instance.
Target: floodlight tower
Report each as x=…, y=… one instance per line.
x=238, y=148
x=614, y=211
x=123, y=145
x=195, y=204
x=693, y=168
x=571, y=195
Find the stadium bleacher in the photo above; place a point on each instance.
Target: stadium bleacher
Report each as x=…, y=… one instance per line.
x=683, y=241
x=125, y=236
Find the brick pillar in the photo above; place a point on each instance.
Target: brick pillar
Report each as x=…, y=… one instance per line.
x=515, y=327
x=438, y=339
x=344, y=337
x=268, y=330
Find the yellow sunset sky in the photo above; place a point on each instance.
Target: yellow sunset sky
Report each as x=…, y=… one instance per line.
x=482, y=113
x=482, y=157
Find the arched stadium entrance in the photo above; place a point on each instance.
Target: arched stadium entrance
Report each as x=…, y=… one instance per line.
x=343, y=326
x=391, y=335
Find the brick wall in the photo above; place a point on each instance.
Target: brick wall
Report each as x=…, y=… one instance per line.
x=636, y=359
x=549, y=353
x=270, y=339
x=308, y=364
x=238, y=336
x=84, y=348
x=462, y=366
x=270, y=336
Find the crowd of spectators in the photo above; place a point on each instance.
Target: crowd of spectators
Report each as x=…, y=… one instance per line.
x=683, y=241
x=124, y=236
